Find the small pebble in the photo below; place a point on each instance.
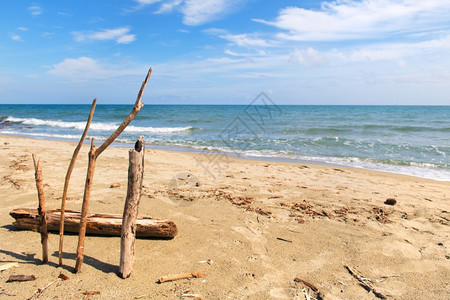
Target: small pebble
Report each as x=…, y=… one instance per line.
x=390, y=201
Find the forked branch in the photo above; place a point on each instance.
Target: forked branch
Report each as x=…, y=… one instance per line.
x=93, y=155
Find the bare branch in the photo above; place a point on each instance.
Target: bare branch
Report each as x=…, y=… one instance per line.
x=137, y=107
x=67, y=180
x=41, y=209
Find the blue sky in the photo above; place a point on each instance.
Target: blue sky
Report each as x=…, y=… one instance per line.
x=226, y=52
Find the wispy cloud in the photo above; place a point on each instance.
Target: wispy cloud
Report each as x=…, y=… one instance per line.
x=241, y=40
x=169, y=6
x=16, y=37
x=195, y=12
x=308, y=57
x=120, y=35
x=22, y=28
x=366, y=19
x=86, y=68
x=35, y=10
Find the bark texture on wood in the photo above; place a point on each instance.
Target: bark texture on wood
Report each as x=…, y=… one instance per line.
x=97, y=224
x=85, y=207
x=41, y=208
x=95, y=153
x=67, y=179
x=130, y=212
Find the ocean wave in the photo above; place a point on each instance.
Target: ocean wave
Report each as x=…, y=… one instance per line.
x=406, y=128
x=98, y=126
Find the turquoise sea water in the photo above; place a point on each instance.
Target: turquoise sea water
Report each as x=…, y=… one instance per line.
x=412, y=140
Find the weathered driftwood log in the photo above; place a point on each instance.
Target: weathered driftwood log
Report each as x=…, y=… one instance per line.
x=130, y=211
x=97, y=224
x=41, y=208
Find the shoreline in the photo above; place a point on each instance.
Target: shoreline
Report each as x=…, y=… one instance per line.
x=252, y=229
x=235, y=154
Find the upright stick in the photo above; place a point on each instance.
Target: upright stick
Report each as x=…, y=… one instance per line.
x=85, y=207
x=93, y=155
x=130, y=212
x=41, y=208
x=66, y=183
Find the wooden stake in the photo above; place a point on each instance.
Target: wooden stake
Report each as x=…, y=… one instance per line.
x=130, y=211
x=41, y=208
x=85, y=206
x=92, y=158
x=66, y=182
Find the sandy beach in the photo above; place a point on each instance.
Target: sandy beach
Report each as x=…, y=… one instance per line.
x=251, y=226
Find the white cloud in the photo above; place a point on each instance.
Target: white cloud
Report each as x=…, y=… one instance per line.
x=120, y=35
x=244, y=40
x=168, y=6
x=350, y=19
x=35, y=10
x=86, y=68
x=307, y=57
x=22, y=28
x=16, y=37
x=126, y=39
x=195, y=12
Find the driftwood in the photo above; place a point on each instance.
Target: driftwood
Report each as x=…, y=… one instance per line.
x=41, y=208
x=365, y=284
x=67, y=179
x=130, y=212
x=85, y=206
x=93, y=155
x=13, y=278
x=97, y=224
x=9, y=266
x=181, y=276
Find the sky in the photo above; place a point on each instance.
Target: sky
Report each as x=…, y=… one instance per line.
x=363, y=52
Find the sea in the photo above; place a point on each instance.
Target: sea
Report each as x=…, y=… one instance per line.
x=411, y=140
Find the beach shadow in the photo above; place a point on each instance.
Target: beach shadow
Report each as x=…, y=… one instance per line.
x=10, y=227
x=91, y=261
x=32, y=259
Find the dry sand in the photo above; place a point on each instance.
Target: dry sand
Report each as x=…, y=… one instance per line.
x=251, y=226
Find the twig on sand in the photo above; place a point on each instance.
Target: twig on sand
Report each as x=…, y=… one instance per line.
x=310, y=285
x=284, y=240
x=39, y=292
x=181, y=276
x=365, y=283
x=14, y=278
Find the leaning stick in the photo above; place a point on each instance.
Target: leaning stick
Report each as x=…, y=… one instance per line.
x=85, y=206
x=41, y=209
x=66, y=182
x=93, y=155
x=130, y=211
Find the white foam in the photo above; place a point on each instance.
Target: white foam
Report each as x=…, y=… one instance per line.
x=98, y=126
